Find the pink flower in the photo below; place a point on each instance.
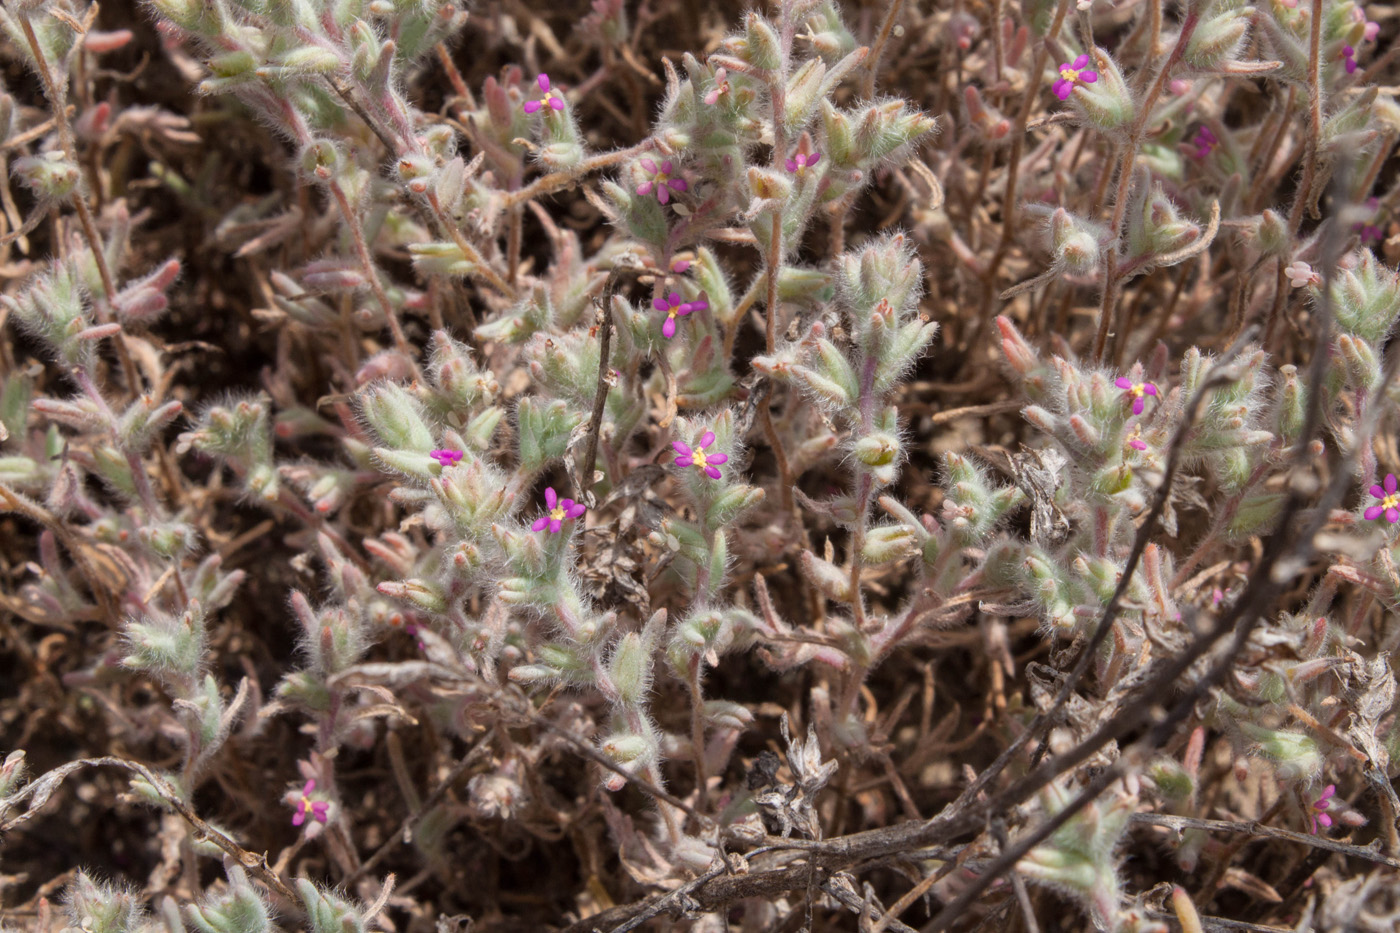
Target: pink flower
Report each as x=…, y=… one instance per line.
x=802, y=161
x=661, y=180
x=720, y=89
x=1390, y=501
x=559, y=511
x=706, y=463
x=674, y=307
x=1349, y=56
x=1205, y=142
x=447, y=457
x=316, y=809
x=1135, y=440
x=551, y=99
x=1072, y=73
x=1135, y=391
x=1300, y=273
x=680, y=266
x=1321, y=804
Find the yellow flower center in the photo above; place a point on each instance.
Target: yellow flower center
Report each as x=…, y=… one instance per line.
x=1391, y=501
x=1069, y=74
x=306, y=805
x=1137, y=389
x=699, y=457
x=557, y=514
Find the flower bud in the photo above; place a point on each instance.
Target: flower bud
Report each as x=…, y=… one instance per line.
x=395, y=417
x=1075, y=243
x=1217, y=38
x=49, y=175
x=630, y=669
x=1296, y=756
x=832, y=581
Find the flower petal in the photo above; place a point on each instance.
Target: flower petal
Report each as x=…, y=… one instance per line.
x=543, y=81
x=1373, y=513
x=1123, y=382
x=1392, y=515
x=1149, y=388
x=649, y=165
x=1081, y=61
x=668, y=328
x=1390, y=484
x=555, y=524
x=1324, y=819
x=717, y=458
x=707, y=438
x=678, y=184
x=540, y=523
x=566, y=504
x=680, y=448
x=1062, y=89
x=812, y=159
x=1089, y=77
x=712, y=472
x=673, y=299
x=660, y=304
x=551, y=498
x=310, y=786
x=531, y=106
x=577, y=509
x=556, y=102
x=1137, y=406
x=667, y=167
x=663, y=194
x=684, y=461
x=791, y=165
x=299, y=817
x=1377, y=491
x=644, y=188
x=699, y=304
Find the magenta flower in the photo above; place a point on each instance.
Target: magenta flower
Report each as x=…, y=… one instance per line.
x=674, y=308
x=316, y=809
x=680, y=266
x=1370, y=231
x=1390, y=501
x=661, y=181
x=1072, y=73
x=1135, y=390
x=1135, y=440
x=1321, y=804
x=1349, y=56
x=447, y=457
x=706, y=463
x=559, y=511
x=1205, y=142
x=551, y=99
x=802, y=161
x=720, y=89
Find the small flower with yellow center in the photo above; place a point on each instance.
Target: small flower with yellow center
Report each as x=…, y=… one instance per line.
x=1135, y=440
x=559, y=511
x=1072, y=73
x=1135, y=391
x=551, y=99
x=1390, y=501
x=318, y=810
x=663, y=180
x=674, y=308
x=706, y=463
